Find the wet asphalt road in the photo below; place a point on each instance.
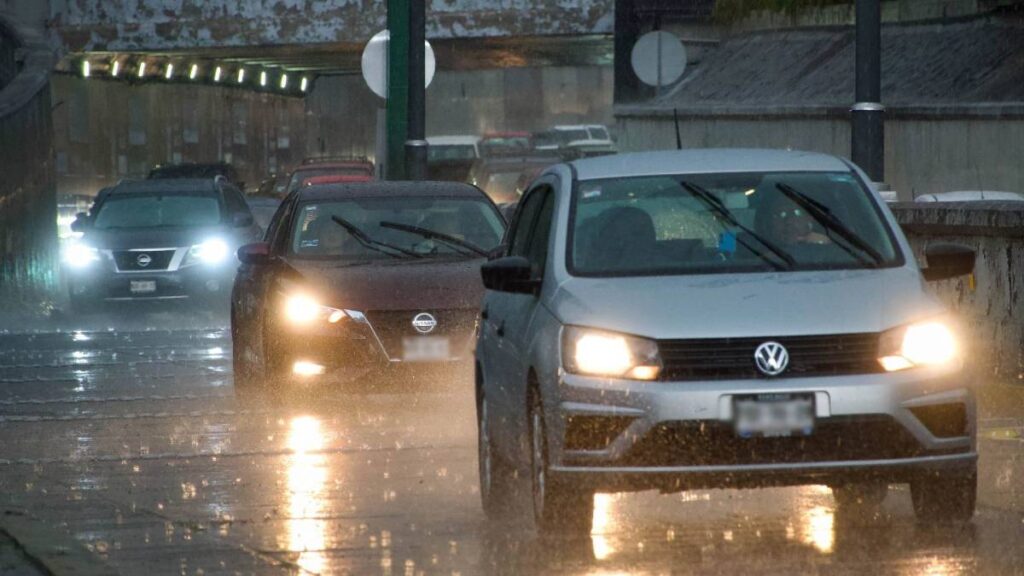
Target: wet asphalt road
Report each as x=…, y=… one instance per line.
x=133, y=441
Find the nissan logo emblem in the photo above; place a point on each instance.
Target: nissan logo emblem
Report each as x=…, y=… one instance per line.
x=772, y=358
x=144, y=260
x=424, y=323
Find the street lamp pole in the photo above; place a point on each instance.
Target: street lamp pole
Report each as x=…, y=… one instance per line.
x=867, y=117
x=398, y=88
x=416, y=143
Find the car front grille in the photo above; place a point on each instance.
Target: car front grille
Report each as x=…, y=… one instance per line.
x=733, y=358
x=128, y=261
x=392, y=326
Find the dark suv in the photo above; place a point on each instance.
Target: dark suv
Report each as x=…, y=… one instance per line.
x=159, y=240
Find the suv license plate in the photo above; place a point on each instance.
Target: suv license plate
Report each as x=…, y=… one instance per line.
x=142, y=286
x=773, y=415
x=425, y=349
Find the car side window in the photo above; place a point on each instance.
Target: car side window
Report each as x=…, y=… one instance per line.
x=522, y=226
x=234, y=202
x=278, y=231
x=541, y=234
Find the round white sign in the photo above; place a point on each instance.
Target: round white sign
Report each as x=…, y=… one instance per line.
x=375, y=63
x=659, y=58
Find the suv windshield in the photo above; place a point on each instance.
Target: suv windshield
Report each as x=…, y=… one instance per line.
x=438, y=152
x=159, y=211
x=411, y=226
x=722, y=223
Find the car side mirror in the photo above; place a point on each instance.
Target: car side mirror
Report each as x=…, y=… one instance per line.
x=241, y=220
x=510, y=274
x=947, y=261
x=80, y=223
x=255, y=254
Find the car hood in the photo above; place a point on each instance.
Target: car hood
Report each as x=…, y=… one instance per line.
x=126, y=239
x=394, y=284
x=747, y=305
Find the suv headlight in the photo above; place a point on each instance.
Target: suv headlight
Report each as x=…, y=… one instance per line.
x=928, y=343
x=212, y=251
x=78, y=255
x=303, y=309
x=599, y=353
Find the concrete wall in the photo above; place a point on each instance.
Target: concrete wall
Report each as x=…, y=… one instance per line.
x=107, y=131
x=923, y=155
x=991, y=307
x=27, y=192
x=472, y=102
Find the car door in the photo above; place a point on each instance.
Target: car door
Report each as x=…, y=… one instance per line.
x=252, y=280
x=512, y=314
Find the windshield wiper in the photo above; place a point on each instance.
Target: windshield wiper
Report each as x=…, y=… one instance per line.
x=434, y=235
x=716, y=205
x=823, y=215
x=370, y=243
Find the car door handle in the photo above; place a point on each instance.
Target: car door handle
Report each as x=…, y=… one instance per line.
x=500, y=329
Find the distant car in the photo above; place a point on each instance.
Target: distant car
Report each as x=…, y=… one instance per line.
x=718, y=318
x=506, y=143
x=157, y=240
x=501, y=177
x=585, y=140
x=358, y=277
x=202, y=171
x=449, y=158
x=971, y=196
x=357, y=168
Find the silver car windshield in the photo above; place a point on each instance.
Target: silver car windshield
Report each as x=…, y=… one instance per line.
x=727, y=223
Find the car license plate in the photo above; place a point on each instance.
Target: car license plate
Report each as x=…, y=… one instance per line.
x=142, y=286
x=773, y=415
x=425, y=349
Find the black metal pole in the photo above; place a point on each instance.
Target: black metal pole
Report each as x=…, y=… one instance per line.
x=628, y=87
x=416, y=145
x=867, y=118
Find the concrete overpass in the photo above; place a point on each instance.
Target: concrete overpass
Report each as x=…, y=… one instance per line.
x=316, y=37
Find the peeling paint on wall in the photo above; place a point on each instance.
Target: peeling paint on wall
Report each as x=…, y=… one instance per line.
x=86, y=25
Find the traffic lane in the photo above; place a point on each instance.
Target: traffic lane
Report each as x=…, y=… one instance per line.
x=156, y=465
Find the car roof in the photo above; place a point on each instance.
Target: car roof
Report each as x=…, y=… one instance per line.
x=514, y=161
x=706, y=160
x=363, y=165
x=378, y=189
x=453, y=140
x=184, y=185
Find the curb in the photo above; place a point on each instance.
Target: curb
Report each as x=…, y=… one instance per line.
x=54, y=551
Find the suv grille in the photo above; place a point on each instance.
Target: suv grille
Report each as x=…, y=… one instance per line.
x=733, y=358
x=129, y=261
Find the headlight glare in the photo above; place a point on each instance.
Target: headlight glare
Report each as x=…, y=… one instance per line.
x=303, y=309
x=78, y=255
x=212, y=251
x=930, y=343
x=597, y=353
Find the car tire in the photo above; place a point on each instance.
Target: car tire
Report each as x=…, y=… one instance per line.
x=247, y=373
x=497, y=476
x=860, y=497
x=945, y=499
x=559, y=506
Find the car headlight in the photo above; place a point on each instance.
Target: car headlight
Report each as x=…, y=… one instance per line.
x=212, y=251
x=599, y=353
x=303, y=309
x=929, y=343
x=78, y=255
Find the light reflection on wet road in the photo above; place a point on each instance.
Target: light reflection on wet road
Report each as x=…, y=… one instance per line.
x=135, y=442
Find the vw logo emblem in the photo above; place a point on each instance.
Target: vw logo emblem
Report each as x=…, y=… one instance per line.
x=424, y=323
x=144, y=260
x=772, y=358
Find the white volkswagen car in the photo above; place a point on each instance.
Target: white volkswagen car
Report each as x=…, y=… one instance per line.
x=718, y=318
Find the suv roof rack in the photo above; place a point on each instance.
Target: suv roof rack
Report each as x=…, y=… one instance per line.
x=328, y=159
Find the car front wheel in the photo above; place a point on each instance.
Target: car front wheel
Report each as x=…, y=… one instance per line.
x=558, y=505
x=497, y=479
x=945, y=498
